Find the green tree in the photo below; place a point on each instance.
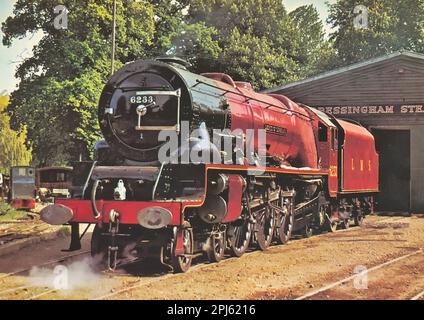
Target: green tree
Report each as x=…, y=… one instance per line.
x=392, y=26
x=258, y=40
x=169, y=16
x=12, y=143
x=255, y=37
x=60, y=85
x=316, y=53
x=197, y=44
x=255, y=60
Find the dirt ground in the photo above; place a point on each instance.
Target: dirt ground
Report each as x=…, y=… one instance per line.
x=282, y=272
x=26, y=229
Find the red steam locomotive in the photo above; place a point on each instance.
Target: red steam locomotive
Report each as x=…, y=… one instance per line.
x=301, y=170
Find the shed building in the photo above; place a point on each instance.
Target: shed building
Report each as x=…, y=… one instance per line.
x=385, y=95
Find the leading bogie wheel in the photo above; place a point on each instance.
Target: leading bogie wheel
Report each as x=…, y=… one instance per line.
x=346, y=224
x=181, y=263
x=216, y=247
x=99, y=246
x=309, y=231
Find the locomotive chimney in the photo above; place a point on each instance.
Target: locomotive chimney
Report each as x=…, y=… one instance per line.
x=175, y=61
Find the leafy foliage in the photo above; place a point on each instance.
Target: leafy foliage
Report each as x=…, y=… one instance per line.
x=253, y=40
x=392, y=26
x=315, y=53
x=7, y=213
x=61, y=84
x=253, y=34
x=12, y=144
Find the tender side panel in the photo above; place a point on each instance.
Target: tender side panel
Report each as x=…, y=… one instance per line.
x=359, y=159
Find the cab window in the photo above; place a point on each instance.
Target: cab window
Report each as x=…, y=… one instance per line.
x=322, y=132
x=334, y=140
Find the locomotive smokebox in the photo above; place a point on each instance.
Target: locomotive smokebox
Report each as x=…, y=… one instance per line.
x=138, y=102
x=145, y=98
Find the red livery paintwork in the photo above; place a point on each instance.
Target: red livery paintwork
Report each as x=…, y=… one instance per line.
x=128, y=210
x=289, y=137
x=359, y=159
x=235, y=194
x=24, y=204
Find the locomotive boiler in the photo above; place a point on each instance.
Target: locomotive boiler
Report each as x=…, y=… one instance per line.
x=202, y=164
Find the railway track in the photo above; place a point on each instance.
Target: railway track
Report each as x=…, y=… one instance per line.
x=23, y=233
x=146, y=281
x=200, y=266
x=418, y=296
x=62, y=259
x=21, y=271
x=319, y=291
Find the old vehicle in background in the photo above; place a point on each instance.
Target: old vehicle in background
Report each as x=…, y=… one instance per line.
x=22, y=187
x=4, y=186
x=53, y=182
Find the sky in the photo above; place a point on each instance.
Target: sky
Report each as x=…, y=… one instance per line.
x=20, y=49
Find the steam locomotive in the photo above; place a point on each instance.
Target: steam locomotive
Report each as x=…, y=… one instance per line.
x=155, y=191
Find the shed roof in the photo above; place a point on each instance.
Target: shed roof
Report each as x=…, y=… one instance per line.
x=394, y=78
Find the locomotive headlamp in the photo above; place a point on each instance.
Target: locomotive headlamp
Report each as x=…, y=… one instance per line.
x=154, y=217
x=56, y=214
x=141, y=110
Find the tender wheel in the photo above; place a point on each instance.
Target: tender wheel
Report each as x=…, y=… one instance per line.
x=183, y=263
x=239, y=236
x=321, y=217
x=309, y=231
x=216, y=248
x=346, y=224
x=358, y=219
x=265, y=225
x=331, y=225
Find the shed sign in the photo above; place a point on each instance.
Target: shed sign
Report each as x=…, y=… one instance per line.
x=404, y=109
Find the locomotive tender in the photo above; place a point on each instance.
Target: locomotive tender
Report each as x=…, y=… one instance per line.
x=318, y=172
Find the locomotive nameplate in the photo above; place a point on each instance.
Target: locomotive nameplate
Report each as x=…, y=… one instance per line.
x=275, y=130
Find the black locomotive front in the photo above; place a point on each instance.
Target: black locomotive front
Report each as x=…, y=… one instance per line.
x=137, y=103
x=145, y=98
